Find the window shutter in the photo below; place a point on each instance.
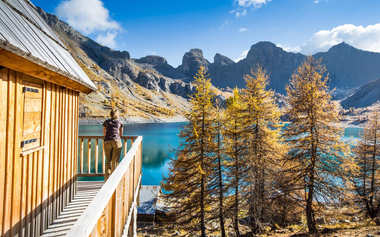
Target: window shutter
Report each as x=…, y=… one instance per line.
x=32, y=116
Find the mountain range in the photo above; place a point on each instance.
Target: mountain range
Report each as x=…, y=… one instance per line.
x=349, y=69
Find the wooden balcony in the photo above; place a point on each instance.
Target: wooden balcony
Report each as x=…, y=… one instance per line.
x=112, y=206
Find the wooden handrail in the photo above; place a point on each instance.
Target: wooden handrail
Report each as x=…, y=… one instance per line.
x=85, y=153
x=111, y=210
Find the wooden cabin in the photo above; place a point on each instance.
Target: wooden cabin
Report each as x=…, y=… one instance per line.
x=40, y=84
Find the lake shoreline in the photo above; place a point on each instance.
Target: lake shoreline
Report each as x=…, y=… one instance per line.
x=140, y=120
x=132, y=120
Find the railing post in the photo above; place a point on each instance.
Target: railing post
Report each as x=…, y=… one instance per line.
x=89, y=157
x=103, y=159
x=125, y=147
x=81, y=156
x=96, y=155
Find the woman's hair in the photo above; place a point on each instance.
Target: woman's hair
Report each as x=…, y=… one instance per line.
x=114, y=114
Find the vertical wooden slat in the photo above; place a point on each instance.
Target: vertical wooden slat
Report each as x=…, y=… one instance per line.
x=9, y=155
x=34, y=194
x=119, y=209
x=29, y=189
x=69, y=145
x=3, y=139
x=76, y=137
x=96, y=155
x=56, y=151
x=39, y=193
x=17, y=160
x=23, y=196
x=65, y=146
x=60, y=151
x=51, y=155
x=89, y=157
x=73, y=141
x=45, y=156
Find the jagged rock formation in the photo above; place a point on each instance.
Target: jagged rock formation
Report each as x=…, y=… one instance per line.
x=118, y=64
x=347, y=66
x=366, y=95
x=191, y=62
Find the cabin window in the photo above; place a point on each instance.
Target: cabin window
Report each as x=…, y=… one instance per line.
x=32, y=115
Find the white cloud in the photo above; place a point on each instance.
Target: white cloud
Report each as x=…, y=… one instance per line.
x=242, y=4
x=226, y=24
x=253, y=3
x=243, y=29
x=290, y=49
x=243, y=55
x=318, y=1
x=148, y=52
x=90, y=16
x=108, y=39
x=365, y=38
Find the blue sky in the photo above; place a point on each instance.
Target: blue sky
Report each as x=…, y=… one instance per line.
x=170, y=28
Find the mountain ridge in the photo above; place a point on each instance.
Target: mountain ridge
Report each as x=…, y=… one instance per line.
x=347, y=66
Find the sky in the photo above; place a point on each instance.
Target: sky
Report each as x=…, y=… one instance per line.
x=170, y=28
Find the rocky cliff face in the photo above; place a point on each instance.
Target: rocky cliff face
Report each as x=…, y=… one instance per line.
x=191, y=62
x=365, y=96
x=148, y=72
x=347, y=66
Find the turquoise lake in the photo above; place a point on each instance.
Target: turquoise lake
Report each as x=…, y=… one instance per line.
x=158, y=139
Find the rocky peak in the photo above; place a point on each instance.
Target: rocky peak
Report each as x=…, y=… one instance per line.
x=222, y=60
x=264, y=49
x=192, y=60
x=153, y=60
x=342, y=49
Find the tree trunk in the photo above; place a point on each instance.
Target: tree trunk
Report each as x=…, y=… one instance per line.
x=221, y=214
x=203, y=224
x=236, y=218
x=309, y=209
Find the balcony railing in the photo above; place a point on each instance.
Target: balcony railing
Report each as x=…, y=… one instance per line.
x=91, y=150
x=113, y=211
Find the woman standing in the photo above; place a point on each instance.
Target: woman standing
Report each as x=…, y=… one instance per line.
x=112, y=130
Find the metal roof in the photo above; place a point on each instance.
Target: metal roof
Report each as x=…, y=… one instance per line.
x=23, y=29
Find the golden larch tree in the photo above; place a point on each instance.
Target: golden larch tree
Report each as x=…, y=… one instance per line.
x=190, y=170
x=234, y=148
x=262, y=138
x=321, y=157
x=366, y=183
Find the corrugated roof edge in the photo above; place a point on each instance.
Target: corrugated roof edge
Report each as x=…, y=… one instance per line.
x=31, y=22
x=13, y=49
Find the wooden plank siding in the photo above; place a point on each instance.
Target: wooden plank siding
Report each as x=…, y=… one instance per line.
x=35, y=183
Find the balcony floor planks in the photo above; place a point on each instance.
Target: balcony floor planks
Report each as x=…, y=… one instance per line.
x=86, y=191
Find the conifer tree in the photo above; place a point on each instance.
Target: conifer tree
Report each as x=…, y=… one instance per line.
x=235, y=149
x=218, y=183
x=367, y=181
x=189, y=172
x=319, y=155
x=261, y=129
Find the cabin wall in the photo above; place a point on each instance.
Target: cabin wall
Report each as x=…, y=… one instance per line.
x=36, y=184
